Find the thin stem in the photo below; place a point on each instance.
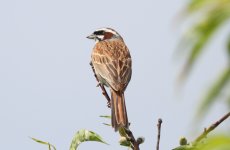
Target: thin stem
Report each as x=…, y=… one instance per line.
x=212, y=127
x=135, y=143
x=159, y=133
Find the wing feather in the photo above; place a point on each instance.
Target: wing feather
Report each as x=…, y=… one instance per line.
x=112, y=61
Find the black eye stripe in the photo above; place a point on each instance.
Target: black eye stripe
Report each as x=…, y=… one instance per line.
x=99, y=32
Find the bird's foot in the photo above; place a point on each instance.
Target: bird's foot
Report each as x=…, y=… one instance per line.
x=109, y=104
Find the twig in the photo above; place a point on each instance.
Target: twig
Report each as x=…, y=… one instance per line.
x=102, y=87
x=159, y=133
x=206, y=131
x=210, y=128
x=135, y=143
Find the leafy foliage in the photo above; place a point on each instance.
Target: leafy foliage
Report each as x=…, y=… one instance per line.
x=212, y=14
x=108, y=117
x=45, y=143
x=215, y=90
x=83, y=136
x=123, y=136
x=217, y=142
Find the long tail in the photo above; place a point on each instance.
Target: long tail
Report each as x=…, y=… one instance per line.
x=119, y=113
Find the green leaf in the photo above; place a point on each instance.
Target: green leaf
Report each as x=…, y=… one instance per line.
x=45, y=143
x=196, y=5
x=218, y=142
x=215, y=90
x=200, y=34
x=123, y=138
x=83, y=136
x=108, y=117
x=123, y=133
x=124, y=142
x=106, y=124
x=185, y=147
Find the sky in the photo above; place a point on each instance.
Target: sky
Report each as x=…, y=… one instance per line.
x=47, y=88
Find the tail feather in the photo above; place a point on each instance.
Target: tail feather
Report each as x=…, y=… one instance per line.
x=119, y=113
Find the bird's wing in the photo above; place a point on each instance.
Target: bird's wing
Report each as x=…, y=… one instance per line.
x=112, y=61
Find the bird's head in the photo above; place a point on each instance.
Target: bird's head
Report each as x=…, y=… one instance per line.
x=104, y=34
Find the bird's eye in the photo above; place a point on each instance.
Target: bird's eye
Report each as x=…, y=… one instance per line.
x=99, y=32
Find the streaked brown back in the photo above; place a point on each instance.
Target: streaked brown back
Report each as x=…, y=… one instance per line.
x=112, y=61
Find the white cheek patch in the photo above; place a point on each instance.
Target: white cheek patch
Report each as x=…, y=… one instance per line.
x=100, y=37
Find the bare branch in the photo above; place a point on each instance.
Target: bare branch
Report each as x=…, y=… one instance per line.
x=159, y=133
x=210, y=128
x=135, y=143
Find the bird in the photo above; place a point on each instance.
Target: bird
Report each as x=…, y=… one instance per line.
x=112, y=62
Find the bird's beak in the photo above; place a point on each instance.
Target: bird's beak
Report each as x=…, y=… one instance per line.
x=92, y=36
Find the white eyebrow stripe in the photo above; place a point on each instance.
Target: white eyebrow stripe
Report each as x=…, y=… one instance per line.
x=108, y=30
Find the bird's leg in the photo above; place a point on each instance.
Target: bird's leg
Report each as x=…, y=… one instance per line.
x=102, y=87
x=106, y=95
